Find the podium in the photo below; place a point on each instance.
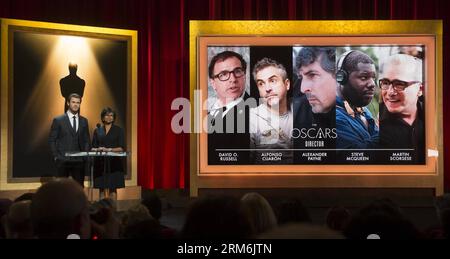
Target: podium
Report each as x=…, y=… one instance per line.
x=89, y=155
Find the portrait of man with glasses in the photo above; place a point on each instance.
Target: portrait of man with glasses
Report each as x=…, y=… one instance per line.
x=228, y=117
x=402, y=112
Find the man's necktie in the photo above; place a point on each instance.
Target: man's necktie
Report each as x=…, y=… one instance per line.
x=74, y=124
x=216, y=113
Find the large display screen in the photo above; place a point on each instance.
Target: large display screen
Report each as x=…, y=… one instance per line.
x=316, y=104
x=300, y=101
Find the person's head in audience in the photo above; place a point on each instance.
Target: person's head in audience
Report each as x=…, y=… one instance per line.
x=301, y=231
x=146, y=229
x=60, y=208
x=4, y=206
x=216, y=217
x=153, y=204
x=292, y=210
x=260, y=213
x=18, y=221
x=384, y=218
x=442, y=204
x=25, y=197
x=338, y=218
x=136, y=214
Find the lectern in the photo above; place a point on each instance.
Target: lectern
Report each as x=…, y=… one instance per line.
x=106, y=168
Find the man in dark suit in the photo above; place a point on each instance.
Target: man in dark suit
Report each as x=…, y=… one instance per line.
x=229, y=116
x=70, y=133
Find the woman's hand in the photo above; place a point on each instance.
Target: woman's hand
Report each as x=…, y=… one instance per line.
x=102, y=149
x=99, y=149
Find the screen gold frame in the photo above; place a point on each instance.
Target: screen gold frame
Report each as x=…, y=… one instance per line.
x=245, y=33
x=7, y=25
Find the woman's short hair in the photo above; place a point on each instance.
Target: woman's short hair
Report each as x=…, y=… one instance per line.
x=106, y=111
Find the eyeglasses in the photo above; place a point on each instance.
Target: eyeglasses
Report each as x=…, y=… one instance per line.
x=398, y=85
x=225, y=75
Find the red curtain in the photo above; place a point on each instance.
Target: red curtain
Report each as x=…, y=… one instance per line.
x=163, y=157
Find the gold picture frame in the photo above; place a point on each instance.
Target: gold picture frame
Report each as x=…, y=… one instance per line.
x=126, y=37
x=315, y=33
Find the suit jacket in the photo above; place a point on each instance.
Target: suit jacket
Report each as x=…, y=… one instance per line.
x=63, y=137
x=237, y=116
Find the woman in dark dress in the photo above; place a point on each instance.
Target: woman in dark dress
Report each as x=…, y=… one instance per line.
x=109, y=138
